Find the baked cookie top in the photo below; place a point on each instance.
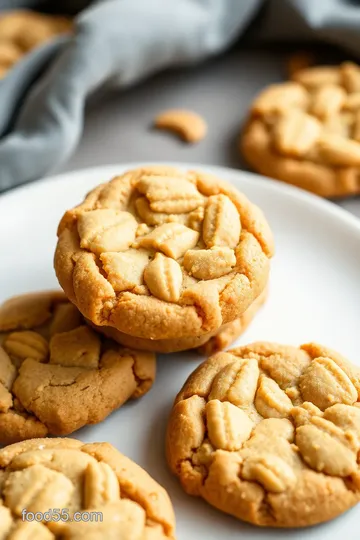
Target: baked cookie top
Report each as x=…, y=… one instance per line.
x=45, y=474
x=159, y=253
x=57, y=374
x=270, y=434
x=307, y=131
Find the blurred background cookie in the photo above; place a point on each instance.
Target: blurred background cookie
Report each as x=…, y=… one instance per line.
x=23, y=30
x=307, y=131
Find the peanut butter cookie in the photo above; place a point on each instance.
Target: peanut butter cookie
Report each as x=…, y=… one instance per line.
x=58, y=375
x=206, y=344
x=99, y=493
x=22, y=30
x=158, y=253
x=270, y=434
x=307, y=131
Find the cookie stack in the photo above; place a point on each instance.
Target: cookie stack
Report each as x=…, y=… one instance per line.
x=165, y=260
x=306, y=131
x=156, y=259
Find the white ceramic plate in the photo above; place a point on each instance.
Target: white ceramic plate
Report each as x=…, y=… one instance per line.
x=314, y=295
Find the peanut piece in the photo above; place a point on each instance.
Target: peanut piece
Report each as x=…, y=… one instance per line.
x=236, y=382
x=270, y=471
x=173, y=239
x=339, y=151
x=335, y=387
x=7, y=370
x=125, y=270
x=37, y=489
x=350, y=74
x=209, y=263
x=228, y=426
x=169, y=195
x=106, y=230
x=314, y=77
x=163, y=276
x=189, y=125
x=323, y=452
x=101, y=485
x=221, y=225
x=26, y=344
x=280, y=97
x=327, y=100
x=296, y=132
x=155, y=218
x=271, y=401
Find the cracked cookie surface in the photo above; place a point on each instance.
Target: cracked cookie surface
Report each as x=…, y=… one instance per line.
x=158, y=253
x=307, y=131
x=270, y=434
x=42, y=474
x=206, y=344
x=58, y=375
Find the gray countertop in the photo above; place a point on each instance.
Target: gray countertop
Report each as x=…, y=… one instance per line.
x=118, y=125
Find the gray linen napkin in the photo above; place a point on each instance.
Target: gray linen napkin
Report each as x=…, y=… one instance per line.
x=119, y=42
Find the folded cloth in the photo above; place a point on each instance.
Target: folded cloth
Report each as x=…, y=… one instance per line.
x=119, y=42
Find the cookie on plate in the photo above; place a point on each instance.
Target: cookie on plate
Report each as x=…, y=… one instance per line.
x=270, y=434
x=206, y=344
x=57, y=374
x=307, y=131
x=82, y=490
x=158, y=253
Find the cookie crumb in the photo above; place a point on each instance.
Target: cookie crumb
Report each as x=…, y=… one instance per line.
x=189, y=125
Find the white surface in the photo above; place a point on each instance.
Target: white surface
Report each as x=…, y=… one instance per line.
x=314, y=295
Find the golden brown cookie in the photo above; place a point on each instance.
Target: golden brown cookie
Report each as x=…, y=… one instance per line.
x=158, y=253
x=22, y=30
x=270, y=434
x=307, y=131
x=58, y=375
x=206, y=344
x=99, y=493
